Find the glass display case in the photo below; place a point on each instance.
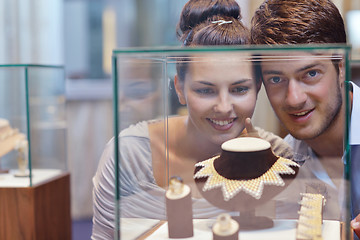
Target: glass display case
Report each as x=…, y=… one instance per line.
x=33, y=126
x=34, y=181
x=182, y=158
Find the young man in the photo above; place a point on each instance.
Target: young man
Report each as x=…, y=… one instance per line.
x=308, y=95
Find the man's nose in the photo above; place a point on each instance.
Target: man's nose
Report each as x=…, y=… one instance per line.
x=295, y=96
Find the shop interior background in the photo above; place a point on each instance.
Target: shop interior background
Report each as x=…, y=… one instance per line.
x=81, y=34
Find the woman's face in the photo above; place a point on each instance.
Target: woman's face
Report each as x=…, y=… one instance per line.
x=220, y=94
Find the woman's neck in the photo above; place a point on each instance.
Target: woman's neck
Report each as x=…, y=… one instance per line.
x=195, y=144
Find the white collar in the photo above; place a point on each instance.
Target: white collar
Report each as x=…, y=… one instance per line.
x=355, y=116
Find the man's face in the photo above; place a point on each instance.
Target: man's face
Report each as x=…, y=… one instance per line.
x=304, y=91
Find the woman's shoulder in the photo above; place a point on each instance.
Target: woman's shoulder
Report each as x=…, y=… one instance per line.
x=159, y=128
x=139, y=129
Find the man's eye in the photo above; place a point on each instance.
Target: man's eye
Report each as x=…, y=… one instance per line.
x=312, y=76
x=312, y=73
x=275, y=79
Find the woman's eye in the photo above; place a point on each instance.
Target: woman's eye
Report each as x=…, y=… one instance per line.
x=204, y=91
x=239, y=89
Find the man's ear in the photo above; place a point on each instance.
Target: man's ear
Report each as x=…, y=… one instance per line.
x=341, y=73
x=258, y=86
x=179, y=88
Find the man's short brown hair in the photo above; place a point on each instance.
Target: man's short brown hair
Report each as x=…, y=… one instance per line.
x=297, y=22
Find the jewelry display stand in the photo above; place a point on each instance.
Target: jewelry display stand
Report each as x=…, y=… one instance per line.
x=179, y=209
x=244, y=176
x=310, y=216
x=225, y=228
x=9, y=139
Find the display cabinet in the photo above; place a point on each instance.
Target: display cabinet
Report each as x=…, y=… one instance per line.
x=179, y=113
x=34, y=181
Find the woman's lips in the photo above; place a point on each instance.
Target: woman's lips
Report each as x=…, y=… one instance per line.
x=222, y=124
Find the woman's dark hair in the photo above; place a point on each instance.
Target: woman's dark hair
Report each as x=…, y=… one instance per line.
x=210, y=22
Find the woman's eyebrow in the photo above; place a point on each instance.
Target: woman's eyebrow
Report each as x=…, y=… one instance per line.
x=234, y=83
x=242, y=81
x=206, y=83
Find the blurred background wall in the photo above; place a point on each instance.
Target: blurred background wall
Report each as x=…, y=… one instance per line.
x=81, y=35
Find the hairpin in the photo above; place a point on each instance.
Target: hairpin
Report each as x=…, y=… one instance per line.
x=221, y=22
x=188, y=38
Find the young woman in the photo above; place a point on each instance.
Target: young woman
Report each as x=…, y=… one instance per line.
x=219, y=93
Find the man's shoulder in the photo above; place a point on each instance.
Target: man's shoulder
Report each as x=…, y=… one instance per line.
x=291, y=140
x=294, y=143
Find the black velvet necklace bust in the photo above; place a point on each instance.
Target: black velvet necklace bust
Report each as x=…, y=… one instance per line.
x=244, y=165
x=245, y=175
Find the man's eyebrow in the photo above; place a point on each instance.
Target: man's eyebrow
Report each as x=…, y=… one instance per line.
x=272, y=72
x=307, y=67
x=275, y=72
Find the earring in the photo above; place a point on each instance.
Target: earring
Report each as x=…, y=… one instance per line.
x=182, y=99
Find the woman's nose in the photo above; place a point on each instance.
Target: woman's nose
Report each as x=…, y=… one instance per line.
x=223, y=104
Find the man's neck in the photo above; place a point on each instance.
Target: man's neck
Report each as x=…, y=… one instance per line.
x=327, y=145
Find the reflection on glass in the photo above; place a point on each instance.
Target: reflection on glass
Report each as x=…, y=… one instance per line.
x=139, y=91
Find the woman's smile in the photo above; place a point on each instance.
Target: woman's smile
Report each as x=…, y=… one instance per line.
x=222, y=124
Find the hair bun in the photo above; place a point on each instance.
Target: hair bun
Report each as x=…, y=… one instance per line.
x=198, y=11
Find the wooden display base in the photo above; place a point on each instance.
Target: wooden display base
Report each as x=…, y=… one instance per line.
x=38, y=212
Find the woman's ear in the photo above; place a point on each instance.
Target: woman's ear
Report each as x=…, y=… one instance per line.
x=179, y=88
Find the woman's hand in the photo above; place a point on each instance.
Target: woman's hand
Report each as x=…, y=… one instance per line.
x=355, y=224
x=250, y=130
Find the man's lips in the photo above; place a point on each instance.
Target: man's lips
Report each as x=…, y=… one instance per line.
x=301, y=115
